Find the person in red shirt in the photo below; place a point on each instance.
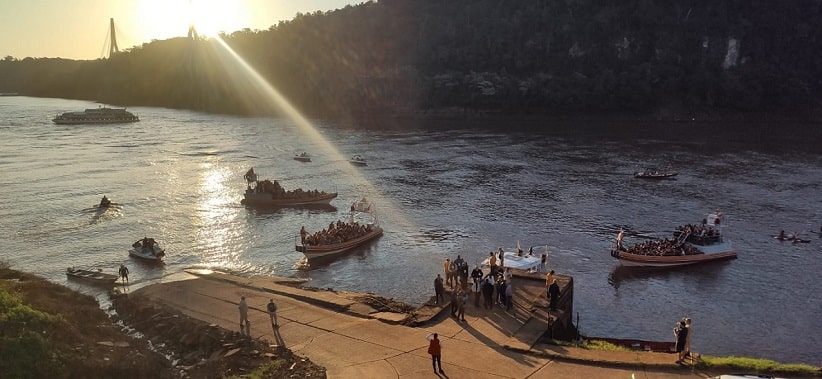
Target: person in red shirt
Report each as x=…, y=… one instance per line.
x=435, y=349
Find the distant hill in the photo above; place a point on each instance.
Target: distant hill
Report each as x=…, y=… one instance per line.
x=456, y=57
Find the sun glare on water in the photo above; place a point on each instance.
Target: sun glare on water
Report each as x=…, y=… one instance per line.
x=163, y=19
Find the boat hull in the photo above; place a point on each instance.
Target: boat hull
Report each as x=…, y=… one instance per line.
x=302, y=159
x=638, y=260
x=90, y=122
x=156, y=254
x=265, y=199
x=654, y=176
x=92, y=277
x=315, y=251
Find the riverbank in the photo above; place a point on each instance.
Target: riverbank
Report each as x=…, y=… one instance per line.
x=192, y=319
x=60, y=333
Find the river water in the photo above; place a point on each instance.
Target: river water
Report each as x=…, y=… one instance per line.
x=440, y=190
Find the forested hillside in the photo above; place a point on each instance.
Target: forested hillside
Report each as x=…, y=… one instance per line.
x=502, y=56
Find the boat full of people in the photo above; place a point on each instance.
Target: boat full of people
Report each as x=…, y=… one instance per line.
x=272, y=194
x=303, y=157
x=101, y=115
x=148, y=249
x=361, y=227
x=690, y=244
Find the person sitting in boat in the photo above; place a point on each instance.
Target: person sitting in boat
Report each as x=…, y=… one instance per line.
x=105, y=202
x=250, y=176
x=782, y=235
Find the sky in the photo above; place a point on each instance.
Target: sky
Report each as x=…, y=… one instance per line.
x=79, y=29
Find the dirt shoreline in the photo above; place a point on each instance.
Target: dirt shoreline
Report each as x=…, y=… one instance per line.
x=140, y=339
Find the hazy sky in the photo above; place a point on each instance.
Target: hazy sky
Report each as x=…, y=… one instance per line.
x=78, y=29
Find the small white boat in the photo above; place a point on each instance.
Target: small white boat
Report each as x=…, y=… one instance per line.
x=517, y=259
x=358, y=160
x=148, y=249
x=91, y=276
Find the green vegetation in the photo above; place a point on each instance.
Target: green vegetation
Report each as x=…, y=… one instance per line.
x=26, y=352
x=508, y=57
x=50, y=331
x=761, y=365
x=732, y=362
x=592, y=345
x=268, y=370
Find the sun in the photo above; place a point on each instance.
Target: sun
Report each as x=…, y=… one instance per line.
x=163, y=19
x=212, y=17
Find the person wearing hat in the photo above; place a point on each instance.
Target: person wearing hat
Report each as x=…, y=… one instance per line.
x=681, y=333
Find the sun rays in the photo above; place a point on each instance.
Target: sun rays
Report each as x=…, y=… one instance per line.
x=255, y=88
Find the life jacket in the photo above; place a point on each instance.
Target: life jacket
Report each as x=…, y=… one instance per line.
x=434, y=347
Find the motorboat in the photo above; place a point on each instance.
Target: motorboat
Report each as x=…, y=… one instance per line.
x=272, y=194
x=148, y=249
x=517, y=259
x=361, y=227
x=654, y=174
x=303, y=157
x=358, y=160
x=91, y=276
x=101, y=115
x=690, y=244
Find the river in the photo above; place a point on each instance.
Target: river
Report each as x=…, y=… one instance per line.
x=440, y=189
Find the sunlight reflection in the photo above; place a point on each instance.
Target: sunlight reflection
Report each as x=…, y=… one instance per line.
x=217, y=233
x=259, y=85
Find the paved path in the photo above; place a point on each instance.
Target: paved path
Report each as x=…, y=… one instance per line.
x=342, y=335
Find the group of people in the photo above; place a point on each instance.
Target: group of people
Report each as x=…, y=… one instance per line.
x=336, y=233
x=682, y=332
x=278, y=192
x=456, y=272
x=701, y=230
x=495, y=288
x=662, y=247
x=245, y=324
x=146, y=244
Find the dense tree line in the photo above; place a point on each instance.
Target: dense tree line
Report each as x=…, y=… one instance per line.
x=502, y=56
